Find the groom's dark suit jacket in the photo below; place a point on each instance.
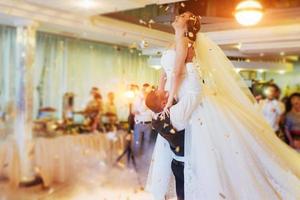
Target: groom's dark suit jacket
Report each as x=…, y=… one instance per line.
x=162, y=124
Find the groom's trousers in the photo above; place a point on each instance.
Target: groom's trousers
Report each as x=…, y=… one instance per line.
x=178, y=171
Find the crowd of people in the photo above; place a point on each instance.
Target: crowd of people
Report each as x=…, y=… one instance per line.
x=282, y=115
x=100, y=115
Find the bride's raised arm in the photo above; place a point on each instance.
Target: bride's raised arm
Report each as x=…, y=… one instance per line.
x=162, y=80
x=179, y=69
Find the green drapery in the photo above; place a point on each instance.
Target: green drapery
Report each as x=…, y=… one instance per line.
x=65, y=64
x=7, y=65
x=73, y=65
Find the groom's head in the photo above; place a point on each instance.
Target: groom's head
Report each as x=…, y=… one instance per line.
x=156, y=100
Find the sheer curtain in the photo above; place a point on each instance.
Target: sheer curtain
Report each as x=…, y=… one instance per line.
x=7, y=81
x=7, y=65
x=66, y=64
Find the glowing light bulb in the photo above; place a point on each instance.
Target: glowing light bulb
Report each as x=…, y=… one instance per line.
x=249, y=12
x=237, y=70
x=261, y=70
x=87, y=4
x=157, y=67
x=129, y=94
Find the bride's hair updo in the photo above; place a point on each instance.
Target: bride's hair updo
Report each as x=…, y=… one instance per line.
x=193, y=26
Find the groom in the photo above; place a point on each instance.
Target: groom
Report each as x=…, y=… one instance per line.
x=172, y=128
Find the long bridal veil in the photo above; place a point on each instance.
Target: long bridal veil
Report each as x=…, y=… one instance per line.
x=232, y=153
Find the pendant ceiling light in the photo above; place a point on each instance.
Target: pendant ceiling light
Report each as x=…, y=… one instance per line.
x=249, y=12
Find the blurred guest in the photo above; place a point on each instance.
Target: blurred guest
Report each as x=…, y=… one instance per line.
x=110, y=111
x=292, y=121
x=272, y=108
x=110, y=106
x=153, y=87
x=258, y=98
x=2, y=118
x=135, y=89
x=2, y=114
x=94, y=110
x=142, y=119
x=94, y=90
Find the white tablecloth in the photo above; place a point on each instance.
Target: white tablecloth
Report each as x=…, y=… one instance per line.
x=10, y=162
x=60, y=158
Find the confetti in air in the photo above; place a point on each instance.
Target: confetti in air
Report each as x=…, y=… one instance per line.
x=165, y=125
x=222, y=195
x=151, y=21
x=172, y=131
x=142, y=22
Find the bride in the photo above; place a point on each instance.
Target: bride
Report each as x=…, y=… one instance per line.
x=230, y=150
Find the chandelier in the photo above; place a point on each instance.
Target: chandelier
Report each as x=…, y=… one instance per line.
x=248, y=12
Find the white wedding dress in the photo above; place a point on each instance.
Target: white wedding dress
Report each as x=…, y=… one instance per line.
x=230, y=151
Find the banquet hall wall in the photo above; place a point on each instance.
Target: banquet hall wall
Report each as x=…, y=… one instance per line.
x=289, y=82
x=74, y=65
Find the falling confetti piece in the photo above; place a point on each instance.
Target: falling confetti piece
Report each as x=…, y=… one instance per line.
x=142, y=22
x=165, y=125
x=191, y=34
x=222, y=195
x=121, y=165
x=167, y=8
x=182, y=5
x=50, y=191
x=177, y=149
x=172, y=131
x=151, y=21
x=161, y=117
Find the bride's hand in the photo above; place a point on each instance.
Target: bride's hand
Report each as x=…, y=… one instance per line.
x=168, y=105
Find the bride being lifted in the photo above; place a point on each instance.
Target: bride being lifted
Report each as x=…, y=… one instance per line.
x=230, y=150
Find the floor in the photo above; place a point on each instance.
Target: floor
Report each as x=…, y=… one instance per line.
x=118, y=183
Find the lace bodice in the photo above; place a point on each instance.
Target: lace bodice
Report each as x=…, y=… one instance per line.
x=191, y=80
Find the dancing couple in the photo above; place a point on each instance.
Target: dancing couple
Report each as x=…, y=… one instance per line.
x=211, y=134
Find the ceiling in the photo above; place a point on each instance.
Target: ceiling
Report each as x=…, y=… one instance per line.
x=94, y=7
x=275, y=38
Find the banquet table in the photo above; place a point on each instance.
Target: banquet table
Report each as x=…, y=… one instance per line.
x=58, y=159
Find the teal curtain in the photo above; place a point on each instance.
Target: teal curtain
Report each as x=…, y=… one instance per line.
x=7, y=79
x=7, y=65
x=66, y=64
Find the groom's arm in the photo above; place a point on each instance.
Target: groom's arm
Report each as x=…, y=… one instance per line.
x=181, y=112
x=163, y=126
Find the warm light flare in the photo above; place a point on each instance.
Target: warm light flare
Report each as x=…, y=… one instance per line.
x=249, y=12
x=129, y=94
x=157, y=67
x=281, y=71
x=87, y=4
